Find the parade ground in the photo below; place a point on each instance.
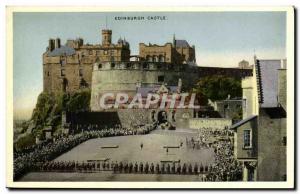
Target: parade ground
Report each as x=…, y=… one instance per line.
x=151, y=148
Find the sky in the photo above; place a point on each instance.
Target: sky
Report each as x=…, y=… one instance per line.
x=220, y=38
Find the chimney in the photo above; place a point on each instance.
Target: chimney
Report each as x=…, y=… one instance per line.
x=283, y=64
x=57, y=43
x=51, y=45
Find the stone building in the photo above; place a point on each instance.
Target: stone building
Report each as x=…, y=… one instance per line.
x=178, y=52
x=68, y=68
x=260, y=138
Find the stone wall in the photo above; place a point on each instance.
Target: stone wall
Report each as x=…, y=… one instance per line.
x=118, y=77
x=66, y=78
x=134, y=117
x=282, y=87
x=271, y=147
x=217, y=123
x=241, y=152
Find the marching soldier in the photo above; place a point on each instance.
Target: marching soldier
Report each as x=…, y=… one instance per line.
x=157, y=168
x=141, y=167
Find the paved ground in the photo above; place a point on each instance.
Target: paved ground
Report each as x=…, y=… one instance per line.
x=129, y=150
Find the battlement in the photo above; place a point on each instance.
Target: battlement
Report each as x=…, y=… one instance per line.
x=142, y=66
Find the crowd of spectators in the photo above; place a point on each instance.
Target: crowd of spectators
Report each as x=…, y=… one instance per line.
x=224, y=168
x=32, y=158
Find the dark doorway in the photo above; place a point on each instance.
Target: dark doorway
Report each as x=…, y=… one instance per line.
x=162, y=117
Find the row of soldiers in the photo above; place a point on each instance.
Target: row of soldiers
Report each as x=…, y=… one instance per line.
x=122, y=167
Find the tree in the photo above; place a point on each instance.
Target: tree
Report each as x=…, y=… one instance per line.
x=217, y=87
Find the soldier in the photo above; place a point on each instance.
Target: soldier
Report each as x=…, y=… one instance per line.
x=120, y=167
x=135, y=167
x=162, y=169
x=201, y=168
x=196, y=168
x=206, y=168
x=178, y=171
x=146, y=168
x=126, y=168
x=173, y=168
x=157, y=168
x=184, y=168
x=130, y=167
x=168, y=168
x=141, y=167
x=190, y=169
x=152, y=168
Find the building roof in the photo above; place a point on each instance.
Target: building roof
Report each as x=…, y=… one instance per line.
x=61, y=51
x=144, y=91
x=243, y=122
x=267, y=74
x=181, y=43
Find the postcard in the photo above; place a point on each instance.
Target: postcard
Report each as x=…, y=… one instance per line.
x=104, y=97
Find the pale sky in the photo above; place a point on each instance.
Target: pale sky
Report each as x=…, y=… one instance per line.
x=220, y=38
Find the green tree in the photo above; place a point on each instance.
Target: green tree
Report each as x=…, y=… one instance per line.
x=217, y=87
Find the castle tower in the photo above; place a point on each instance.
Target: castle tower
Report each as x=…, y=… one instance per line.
x=106, y=37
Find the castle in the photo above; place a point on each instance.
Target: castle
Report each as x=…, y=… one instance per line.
x=71, y=67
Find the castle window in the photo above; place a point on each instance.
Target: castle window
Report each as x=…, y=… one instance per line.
x=63, y=62
x=161, y=58
x=62, y=72
x=105, y=52
x=247, y=138
x=145, y=65
x=148, y=58
x=48, y=73
x=154, y=59
x=80, y=72
x=112, y=58
x=100, y=66
x=161, y=78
